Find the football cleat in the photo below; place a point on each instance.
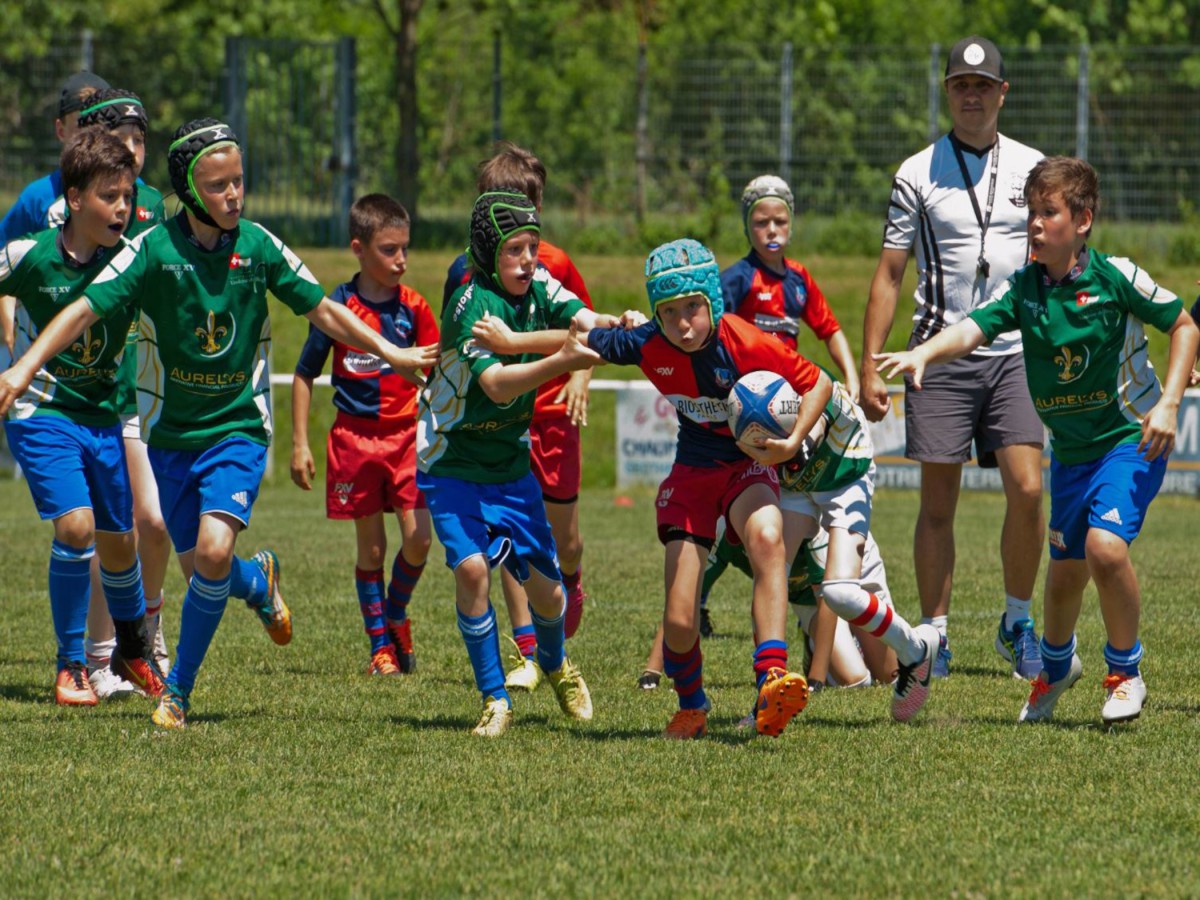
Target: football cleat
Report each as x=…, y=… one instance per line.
x=1043, y=695
x=401, y=635
x=384, y=662
x=1126, y=695
x=649, y=680
x=688, y=724
x=782, y=695
x=524, y=675
x=941, y=665
x=1020, y=648
x=912, y=682
x=108, y=686
x=141, y=673
x=272, y=612
x=497, y=716
x=72, y=686
x=571, y=691
x=172, y=709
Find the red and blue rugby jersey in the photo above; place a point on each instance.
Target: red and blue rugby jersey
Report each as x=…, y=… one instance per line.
x=555, y=261
x=777, y=304
x=697, y=384
x=363, y=384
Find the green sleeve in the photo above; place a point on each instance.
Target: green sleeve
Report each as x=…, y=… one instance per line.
x=1154, y=305
x=291, y=281
x=119, y=283
x=999, y=314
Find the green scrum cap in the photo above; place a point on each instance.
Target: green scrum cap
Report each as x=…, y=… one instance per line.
x=682, y=268
x=191, y=142
x=496, y=217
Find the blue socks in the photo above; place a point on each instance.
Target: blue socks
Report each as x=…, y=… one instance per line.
x=203, y=606
x=550, y=639
x=1124, y=662
x=483, y=647
x=369, y=585
x=1056, y=659
x=687, y=671
x=70, y=591
x=247, y=582
x=124, y=594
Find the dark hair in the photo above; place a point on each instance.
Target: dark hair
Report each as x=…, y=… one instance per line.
x=513, y=167
x=93, y=154
x=372, y=213
x=1074, y=178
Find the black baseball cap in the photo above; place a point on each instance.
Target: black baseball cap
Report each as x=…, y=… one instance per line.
x=71, y=98
x=975, y=56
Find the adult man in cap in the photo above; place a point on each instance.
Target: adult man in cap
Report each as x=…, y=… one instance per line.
x=960, y=203
x=29, y=213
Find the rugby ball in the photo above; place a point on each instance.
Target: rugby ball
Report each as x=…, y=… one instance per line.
x=762, y=405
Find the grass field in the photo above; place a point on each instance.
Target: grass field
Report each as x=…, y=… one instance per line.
x=300, y=776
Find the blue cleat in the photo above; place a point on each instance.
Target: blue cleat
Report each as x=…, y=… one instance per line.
x=1020, y=648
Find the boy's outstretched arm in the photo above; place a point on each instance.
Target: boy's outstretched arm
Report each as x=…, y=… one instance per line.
x=492, y=334
x=8, y=321
x=56, y=337
x=1158, y=427
x=303, y=467
x=504, y=383
x=342, y=325
x=954, y=343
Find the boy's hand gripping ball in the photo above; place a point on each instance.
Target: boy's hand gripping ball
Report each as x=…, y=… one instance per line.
x=762, y=405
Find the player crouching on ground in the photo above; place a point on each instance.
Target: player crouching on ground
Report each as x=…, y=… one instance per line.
x=473, y=451
x=1112, y=425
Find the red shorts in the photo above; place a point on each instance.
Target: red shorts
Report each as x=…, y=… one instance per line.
x=691, y=498
x=555, y=458
x=371, y=468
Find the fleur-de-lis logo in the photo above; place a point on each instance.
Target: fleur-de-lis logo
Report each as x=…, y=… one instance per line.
x=1071, y=364
x=88, y=347
x=210, y=335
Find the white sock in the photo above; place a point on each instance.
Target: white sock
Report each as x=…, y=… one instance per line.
x=868, y=612
x=99, y=652
x=938, y=622
x=1015, y=610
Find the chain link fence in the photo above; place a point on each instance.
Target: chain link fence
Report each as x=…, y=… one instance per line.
x=658, y=134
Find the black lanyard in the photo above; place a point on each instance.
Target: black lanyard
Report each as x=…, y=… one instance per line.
x=983, y=267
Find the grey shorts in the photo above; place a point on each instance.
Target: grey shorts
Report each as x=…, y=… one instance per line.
x=980, y=399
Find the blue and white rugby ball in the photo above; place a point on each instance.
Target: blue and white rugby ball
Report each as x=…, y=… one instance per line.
x=762, y=405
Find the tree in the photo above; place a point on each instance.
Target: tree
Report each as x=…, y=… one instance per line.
x=404, y=55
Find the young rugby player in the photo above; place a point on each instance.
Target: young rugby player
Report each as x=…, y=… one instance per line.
x=371, y=457
x=1112, y=424
x=200, y=281
x=63, y=414
x=554, y=435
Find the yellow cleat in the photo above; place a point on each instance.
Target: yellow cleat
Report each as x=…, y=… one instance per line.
x=571, y=691
x=524, y=674
x=497, y=716
x=172, y=710
x=273, y=612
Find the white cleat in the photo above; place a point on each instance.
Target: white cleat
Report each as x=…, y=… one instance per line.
x=1125, y=699
x=1043, y=695
x=110, y=686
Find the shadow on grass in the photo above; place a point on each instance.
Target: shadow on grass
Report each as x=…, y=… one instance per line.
x=23, y=693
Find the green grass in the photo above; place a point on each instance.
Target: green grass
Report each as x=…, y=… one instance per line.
x=301, y=776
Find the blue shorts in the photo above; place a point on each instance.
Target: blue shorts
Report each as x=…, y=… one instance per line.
x=505, y=522
x=222, y=479
x=69, y=466
x=1111, y=493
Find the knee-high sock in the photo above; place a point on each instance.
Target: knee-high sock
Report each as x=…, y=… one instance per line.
x=70, y=591
x=1124, y=662
x=483, y=648
x=127, y=605
x=550, y=636
x=863, y=609
x=203, y=606
x=687, y=671
x=526, y=640
x=369, y=585
x=769, y=655
x=400, y=589
x=247, y=581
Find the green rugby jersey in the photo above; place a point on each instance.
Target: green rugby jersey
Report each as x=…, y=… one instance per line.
x=461, y=433
x=1086, y=357
x=204, y=335
x=842, y=457
x=80, y=383
x=148, y=211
